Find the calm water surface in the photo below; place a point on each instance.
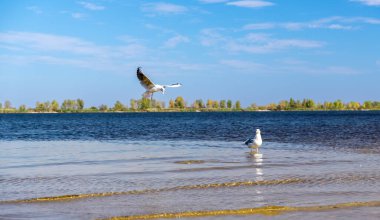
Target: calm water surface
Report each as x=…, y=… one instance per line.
x=95, y=166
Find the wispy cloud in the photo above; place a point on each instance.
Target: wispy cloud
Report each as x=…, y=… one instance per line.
x=273, y=45
x=174, y=41
x=92, y=6
x=163, y=8
x=65, y=50
x=160, y=29
x=243, y=64
x=259, y=26
x=35, y=9
x=368, y=2
x=212, y=1
x=332, y=23
x=254, y=43
x=286, y=66
x=212, y=37
x=78, y=15
x=251, y=3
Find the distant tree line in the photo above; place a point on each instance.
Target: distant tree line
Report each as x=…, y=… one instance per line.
x=179, y=104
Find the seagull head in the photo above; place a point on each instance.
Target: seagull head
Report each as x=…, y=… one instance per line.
x=163, y=90
x=257, y=131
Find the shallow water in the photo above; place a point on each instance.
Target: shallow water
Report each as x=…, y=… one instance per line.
x=91, y=173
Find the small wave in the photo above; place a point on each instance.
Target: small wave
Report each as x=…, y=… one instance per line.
x=305, y=182
x=265, y=210
x=190, y=162
x=147, y=191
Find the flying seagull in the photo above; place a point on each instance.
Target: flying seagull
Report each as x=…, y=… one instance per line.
x=150, y=86
x=255, y=143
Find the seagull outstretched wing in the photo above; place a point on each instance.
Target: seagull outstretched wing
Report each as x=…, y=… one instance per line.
x=173, y=85
x=144, y=80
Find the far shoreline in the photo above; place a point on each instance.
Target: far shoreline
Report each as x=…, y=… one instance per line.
x=187, y=111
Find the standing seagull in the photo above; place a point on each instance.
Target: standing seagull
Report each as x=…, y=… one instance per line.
x=255, y=143
x=150, y=86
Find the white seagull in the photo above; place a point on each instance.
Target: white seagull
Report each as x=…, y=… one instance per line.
x=150, y=86
x=255, y=143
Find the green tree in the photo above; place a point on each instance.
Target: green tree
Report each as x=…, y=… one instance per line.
x=118, y=106
x=144, y=103
x=198, y=104
x=229, y=104
x=179, y=102
x=171, y=103
x=47, y=106
x=159, y=105
x=80, y=104
x=94, y=109
x=222, y=104
x=283, y=105
x=40, y=107
x=209, y=103
x=271, y=106
x=54, y=106
x=254, y=106
x=22, y=108
x=292, y=103
x=309, y=103
x=328, y=105
x=103, y=108
x=133, y=104
x=69, y=105
x=215, y=104
x=353, y=105
x=367, y=105
x=237, y=105
x=338, y=105
x=376, y=105
x=7, y=104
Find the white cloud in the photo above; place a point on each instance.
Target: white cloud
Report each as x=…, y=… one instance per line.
x=339, y=27
x=211, y=37
x=174, y=41
x=368, y=2
x=160, y=29
x=254, y=43
x=77, y=15
x=212, y=1
x=251, y=3
x=35, y=9
x=287, y=66
x=242, y=64
x=259, y=26
x=128, y=39
x=65, y=50
x=333, y=23
x=164, y=8
x=91, y=6
x=273, y=45
x=366, y=20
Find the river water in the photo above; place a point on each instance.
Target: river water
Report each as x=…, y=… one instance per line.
x=315, y=165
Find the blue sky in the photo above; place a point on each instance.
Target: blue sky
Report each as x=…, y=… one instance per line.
x=252, y=51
